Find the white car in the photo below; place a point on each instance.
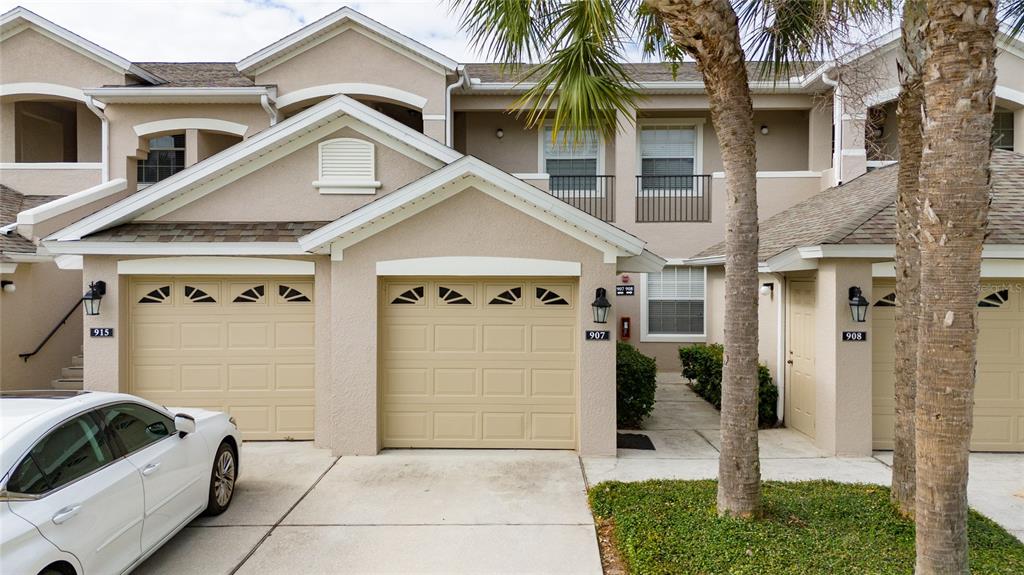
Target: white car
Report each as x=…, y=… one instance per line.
x=93, y=483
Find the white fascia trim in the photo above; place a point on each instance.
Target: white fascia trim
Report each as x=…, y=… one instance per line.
x=53, y=166
x=256, y=145
x=212, y=265
x=67, y=262
x=536, y=176
x=43, y=89
x=434, y=117
x=349, y=88
x=888, y=251
x=456, y=177
x=65, y=204
x=208, y=124
x=775, y=174
x=175, y=248
x=702, y=261
x=9, y=21
x=790, y=260
x=478, y=266
x=30, y=258
x=882, y=97
x=306, y=34
x=156, y=94
x=8, y=268
x=646, y=262
x=1015, y=96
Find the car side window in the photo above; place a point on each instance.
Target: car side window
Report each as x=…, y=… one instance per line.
x=74, y=449
x=136, y=425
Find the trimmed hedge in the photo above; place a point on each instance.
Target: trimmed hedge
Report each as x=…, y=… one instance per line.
x=702, y=365
x=635, y=383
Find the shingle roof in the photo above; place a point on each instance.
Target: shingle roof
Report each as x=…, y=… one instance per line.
x=639, y=72
x=206, y=232
x=863, y=212
x=197, y=74
x=12, y=202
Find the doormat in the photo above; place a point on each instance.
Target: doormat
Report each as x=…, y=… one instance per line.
x=634, y=441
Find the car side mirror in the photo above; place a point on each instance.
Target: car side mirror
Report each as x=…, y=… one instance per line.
x=184, y=424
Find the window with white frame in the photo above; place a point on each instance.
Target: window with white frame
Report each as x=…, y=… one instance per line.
x=572, y=163
x=675, y=302
x=669, y=156
x=166, y=157
x=1002, y=129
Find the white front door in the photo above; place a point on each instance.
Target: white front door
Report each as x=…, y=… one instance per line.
x=801, y=394
x=91, y=504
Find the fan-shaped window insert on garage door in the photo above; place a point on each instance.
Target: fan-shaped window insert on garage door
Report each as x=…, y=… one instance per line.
x=243, y=345
x=467, y=362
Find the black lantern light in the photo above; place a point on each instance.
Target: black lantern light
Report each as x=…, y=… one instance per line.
x=858, y=305
x=601, y=306
x=91, y=299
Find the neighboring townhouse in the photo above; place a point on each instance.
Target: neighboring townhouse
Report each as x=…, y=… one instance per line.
x=347, y=237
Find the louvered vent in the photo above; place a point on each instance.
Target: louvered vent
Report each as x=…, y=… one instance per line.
x=346, y=167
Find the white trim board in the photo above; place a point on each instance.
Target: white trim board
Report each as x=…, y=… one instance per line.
x=351, y=88
x=992, y=268
x=51, y=166
x=181, y=95
x=775, y=174
x=477, y=266
x=175, y=248
x=45, y=89
x=8, y=268
x=212, y=265
x=207, y=124
x=64, y=204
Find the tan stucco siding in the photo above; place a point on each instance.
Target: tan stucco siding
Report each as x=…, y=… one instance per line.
x=28, y=56
x=44, y=294
x=486, y=227
x=283, y=190
x=352, y=57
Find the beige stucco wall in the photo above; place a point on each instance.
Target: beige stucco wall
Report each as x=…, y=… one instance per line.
x=486, y=227
x=283, y=190
x=28, y=56
x=50, y=182
x=44, y=294
x=89, y=135
x=352, y=56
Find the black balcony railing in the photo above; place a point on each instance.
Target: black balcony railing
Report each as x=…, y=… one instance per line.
x=673, y=198
x=592, y=194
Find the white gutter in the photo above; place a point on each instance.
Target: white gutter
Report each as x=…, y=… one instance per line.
x=104, y=138
x=837, y=129
x=448, y=114
x=269, y=108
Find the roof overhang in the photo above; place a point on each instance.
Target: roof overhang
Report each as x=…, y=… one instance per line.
x=19, y=19
x=86, y=247
x=182, y=95
x=312, y=34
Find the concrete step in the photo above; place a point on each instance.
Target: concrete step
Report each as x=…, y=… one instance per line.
x=78, y=361
x=66, y=384
x=74, y=372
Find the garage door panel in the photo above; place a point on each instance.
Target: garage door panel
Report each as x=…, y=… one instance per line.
x=241, y=345
x=497, y=371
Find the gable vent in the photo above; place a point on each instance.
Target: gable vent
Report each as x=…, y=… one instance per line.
x=346, y=166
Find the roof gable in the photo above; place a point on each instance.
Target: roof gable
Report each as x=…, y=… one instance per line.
x=330, y=25
x=18, y=19
x=258, y=150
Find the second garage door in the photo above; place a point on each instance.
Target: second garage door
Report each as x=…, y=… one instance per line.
x=999, y=391
x=478, y=362
x=243, y=345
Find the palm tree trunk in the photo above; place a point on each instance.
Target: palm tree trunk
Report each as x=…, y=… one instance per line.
x=959, y=78
x=908, y=259
x=708, y=30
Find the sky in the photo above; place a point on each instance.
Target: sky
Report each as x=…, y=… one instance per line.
x=229, y=30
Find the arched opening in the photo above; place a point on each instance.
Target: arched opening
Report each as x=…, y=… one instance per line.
x=49, y=130
x=165, y=153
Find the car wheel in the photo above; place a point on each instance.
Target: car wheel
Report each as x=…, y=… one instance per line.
x=222, y=480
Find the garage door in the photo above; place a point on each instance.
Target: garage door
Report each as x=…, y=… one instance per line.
x=478, y=363
x=240, y=345
x=999, y=391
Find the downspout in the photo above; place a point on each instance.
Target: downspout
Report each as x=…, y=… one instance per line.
x=837, y=129
x=448, y=114
x=104, y=139
x=780, y=345
x=268, y=108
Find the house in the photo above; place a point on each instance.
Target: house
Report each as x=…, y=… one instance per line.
x=345, y=237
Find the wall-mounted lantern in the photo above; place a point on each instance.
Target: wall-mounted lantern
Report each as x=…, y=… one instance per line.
x=91, y=299
x=767, y=289
x=601, y=306
x=499, y=133
x=858, y=305
x=8, y=286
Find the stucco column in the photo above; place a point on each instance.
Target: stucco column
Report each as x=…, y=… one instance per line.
x=854, y=152
x=819, y=138
x=353, y=348
x=842, y=369
x=1018, y=130
x=191, y=147
x=597, y=369
x=433, y=127
x=323, y=355
x=103, y=354
x=626, y=169
x=7, y=145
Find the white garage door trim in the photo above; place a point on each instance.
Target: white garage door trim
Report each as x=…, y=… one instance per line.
x=478, y=266
x=213, y=265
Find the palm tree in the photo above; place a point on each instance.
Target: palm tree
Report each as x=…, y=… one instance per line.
x=959, y=81
x=580, y=45
x=908, y=273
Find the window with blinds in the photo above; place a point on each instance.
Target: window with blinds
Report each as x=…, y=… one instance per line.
x=675, y=301
x=569, y=158
x=1002, y=129
x=667, y=150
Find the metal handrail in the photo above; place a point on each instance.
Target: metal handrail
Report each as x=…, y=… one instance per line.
x=25, y=356
x=592, y=194
x=674, y=198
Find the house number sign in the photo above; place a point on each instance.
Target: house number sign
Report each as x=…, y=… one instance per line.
x=625, y=290
x=101, y=332
x=855, y=336
x=592, y=335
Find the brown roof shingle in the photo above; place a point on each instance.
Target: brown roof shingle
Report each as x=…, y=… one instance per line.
x=197, y=74
x=12, y=202
x=207, y=232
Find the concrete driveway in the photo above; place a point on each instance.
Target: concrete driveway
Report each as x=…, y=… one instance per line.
x=299, y=510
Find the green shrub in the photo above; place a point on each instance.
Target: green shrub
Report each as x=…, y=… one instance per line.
x=635, y=383
x=702, y=365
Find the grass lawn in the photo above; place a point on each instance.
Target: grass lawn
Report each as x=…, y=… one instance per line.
x=809, y=527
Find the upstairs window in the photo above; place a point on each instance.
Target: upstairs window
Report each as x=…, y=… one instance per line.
x=1002, y=129
x=674, y=302
x=573, y=166
x=668, y=156
x=346, y=166
x=166, y=158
